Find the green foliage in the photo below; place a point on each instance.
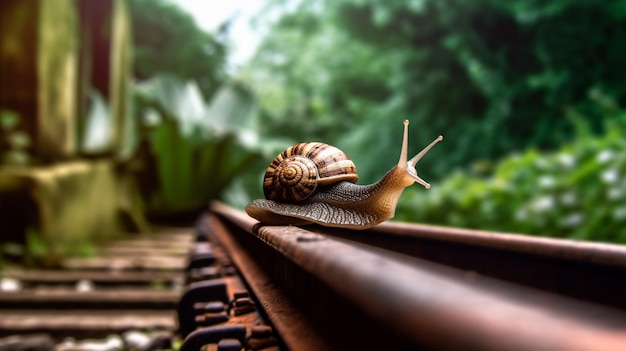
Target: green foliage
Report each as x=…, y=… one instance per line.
x=576, y=192
x=492, y=76
x=14, y=143
x=37, y=251
x=193, y=150
x=167, y=40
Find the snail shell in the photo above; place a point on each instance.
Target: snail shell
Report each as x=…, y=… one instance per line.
x=296, y=173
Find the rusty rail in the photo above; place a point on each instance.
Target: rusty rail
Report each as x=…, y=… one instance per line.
x=578, y=269
x=401, y=286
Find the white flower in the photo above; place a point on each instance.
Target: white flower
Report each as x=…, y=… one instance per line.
x=542, y=203
x=521, y=214
x=605, y=156
x=610, y=175
x=615, y=193
x=573, y=220
x=542, y=163
x=546, y=182
x=569, y=198
x=567, y=160
x=619, y=212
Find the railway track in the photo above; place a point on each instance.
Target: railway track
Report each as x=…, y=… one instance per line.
x=130, y=288
x=404, y=287
x=139, y=294
x=232, y=284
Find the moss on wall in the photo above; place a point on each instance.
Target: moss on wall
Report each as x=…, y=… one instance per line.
x=70, y=205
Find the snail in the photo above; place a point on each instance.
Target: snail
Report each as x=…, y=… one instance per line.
x=296, y=194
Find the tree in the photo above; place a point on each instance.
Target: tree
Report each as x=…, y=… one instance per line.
x=493, y=76
x=167, y=40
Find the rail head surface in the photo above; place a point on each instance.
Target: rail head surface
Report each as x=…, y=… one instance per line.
x=574, y=250
x=432, y=306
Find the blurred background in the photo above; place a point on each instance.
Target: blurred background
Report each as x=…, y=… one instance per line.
x=118, y=114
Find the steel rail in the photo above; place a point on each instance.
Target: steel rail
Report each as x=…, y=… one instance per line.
x=350, y=295
x=296, y=331
x=585, y=270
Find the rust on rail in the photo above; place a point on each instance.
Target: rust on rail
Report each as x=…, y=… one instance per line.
x=325, y=290
x=583, y=270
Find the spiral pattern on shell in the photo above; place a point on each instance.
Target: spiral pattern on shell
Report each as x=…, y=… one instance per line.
x=297, y=172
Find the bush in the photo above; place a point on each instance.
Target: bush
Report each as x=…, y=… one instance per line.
x=191, y=150
x=576, y=192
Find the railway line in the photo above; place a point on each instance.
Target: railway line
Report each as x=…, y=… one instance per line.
x=129, y=289
x=233, y=284
x=403, y=286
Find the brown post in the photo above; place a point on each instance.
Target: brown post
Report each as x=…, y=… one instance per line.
x=38, y=63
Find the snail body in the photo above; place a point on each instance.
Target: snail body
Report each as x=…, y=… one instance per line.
x=335, y=201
